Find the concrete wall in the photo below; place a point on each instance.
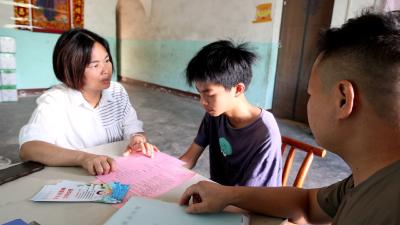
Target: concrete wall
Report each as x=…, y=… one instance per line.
x=158, y=38
x=34, y=49
x=346, y=9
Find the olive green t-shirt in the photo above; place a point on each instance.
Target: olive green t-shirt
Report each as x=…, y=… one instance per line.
x=373, y=202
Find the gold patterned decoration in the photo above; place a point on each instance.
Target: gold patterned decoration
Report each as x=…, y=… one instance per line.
x=21, y=14
x=78, y=13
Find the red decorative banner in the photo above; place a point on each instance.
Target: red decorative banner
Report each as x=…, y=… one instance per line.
x=53, y=16
x=78, y=13
x=21, y=14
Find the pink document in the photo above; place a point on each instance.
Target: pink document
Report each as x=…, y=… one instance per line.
x=149, y=177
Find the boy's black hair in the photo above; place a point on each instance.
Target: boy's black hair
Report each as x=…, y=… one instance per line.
x=366, y=51
x=221, y=63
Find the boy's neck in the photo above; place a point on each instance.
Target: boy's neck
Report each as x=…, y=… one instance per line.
x=242, y=114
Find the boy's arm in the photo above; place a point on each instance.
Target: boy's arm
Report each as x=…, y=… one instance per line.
x=298, y=205
x=192, y=155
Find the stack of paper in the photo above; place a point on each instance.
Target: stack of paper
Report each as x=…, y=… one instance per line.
x=149, y=177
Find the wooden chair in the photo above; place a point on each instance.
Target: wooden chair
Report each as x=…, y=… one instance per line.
x=305, y=166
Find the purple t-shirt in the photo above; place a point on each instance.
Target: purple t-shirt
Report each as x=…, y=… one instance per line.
x=248, y=156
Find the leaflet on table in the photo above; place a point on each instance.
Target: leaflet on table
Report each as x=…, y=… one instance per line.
x=149, y=177
x=72, y=191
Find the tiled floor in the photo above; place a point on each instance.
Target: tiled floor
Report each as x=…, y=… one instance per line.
x=171, y=122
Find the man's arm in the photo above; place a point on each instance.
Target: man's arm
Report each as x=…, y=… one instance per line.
x=52, y=155
x=298, y=205
x=192, y=155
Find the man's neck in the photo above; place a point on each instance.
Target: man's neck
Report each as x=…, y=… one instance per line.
x=369, y=155
x=363, y=172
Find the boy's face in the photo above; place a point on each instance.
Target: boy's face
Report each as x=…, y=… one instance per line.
x=215, y=99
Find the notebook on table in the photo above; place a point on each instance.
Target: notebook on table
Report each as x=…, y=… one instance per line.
x=146, y=211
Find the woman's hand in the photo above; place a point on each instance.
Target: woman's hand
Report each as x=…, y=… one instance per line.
x=98, y=164
x=138, y=143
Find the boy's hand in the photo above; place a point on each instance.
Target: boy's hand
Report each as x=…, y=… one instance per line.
x=97, y=164
x=138, y=143
x=207, y=197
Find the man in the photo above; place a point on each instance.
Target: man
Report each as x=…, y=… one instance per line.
x=353, y=110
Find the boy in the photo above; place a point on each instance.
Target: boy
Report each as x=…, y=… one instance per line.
x=244, y=141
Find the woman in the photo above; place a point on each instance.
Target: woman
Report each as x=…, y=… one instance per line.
x=86, y=110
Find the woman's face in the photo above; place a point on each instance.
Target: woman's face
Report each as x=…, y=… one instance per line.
x=98, y=72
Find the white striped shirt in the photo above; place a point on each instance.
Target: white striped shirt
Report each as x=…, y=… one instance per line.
x=64, y=118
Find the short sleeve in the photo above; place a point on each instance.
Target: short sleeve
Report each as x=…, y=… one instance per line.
x=202, y=137
x=131, y=123
x=329, y=198
x=42, y=125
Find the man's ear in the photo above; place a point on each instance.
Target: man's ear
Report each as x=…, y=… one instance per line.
x=239, y=89
x=344, y=99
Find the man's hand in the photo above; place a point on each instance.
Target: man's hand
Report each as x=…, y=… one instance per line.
x=207, y=197
x=97, y=164
x=138, y=143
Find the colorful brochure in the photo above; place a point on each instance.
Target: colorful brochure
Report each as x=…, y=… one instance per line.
x=72, y=191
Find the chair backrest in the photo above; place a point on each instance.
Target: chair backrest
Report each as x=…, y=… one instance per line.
x=306, y=164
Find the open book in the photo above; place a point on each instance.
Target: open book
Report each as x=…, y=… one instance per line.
x=146, y=211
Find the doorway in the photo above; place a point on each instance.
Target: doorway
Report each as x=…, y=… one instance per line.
x=302, y=21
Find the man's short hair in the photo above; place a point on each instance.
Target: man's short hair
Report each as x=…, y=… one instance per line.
x=221, y=63
x=72, y=54
x=366, y=51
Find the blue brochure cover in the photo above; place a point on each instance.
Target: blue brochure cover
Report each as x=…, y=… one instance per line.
x=146, y=211
x=16, y=222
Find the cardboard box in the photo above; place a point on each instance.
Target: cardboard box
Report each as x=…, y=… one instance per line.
x=8, y=77
x=8, y=85
x=7, y=61
x=9, y=95
x=7, y=44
